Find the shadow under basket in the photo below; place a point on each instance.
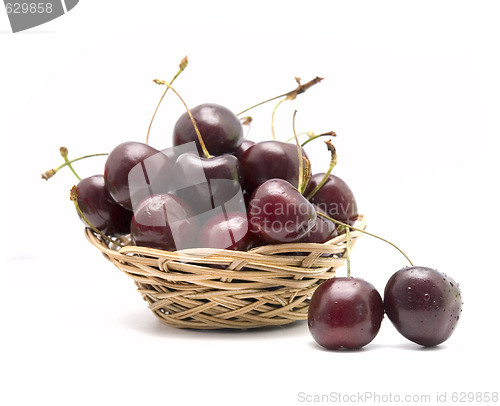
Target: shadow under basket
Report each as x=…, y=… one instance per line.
x=214, y=289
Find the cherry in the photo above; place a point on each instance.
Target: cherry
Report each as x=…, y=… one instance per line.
x=278, y=213
x=345, y=313
x=164, y=222
x=206, y=183
x=334, y=197
x=423, y=304
x=227, y=230
x=322, y=230
x=122, y=160
x=270, y=160
x=243, y=147
x=221, y=130
x=100, y=209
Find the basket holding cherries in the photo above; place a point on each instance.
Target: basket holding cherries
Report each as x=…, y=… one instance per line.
x=215, y=189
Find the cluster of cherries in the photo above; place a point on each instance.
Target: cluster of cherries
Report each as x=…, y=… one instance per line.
x=215, y=189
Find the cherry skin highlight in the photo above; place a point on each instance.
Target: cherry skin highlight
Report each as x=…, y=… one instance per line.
x=221, y=130
x=164, y=222
x=100, y=208
x=227, y=231
x=270, y=160
x=345, y=313
x=423, y=304
x=335, y=198
x=206, y=183
x=278, y=213
x=120, y=162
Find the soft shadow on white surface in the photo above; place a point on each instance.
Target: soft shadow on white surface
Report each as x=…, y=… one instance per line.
x=145, y=323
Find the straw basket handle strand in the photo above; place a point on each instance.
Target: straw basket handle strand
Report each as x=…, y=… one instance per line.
x=211, y=289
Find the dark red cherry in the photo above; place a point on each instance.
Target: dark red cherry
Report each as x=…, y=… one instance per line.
x=278, y=213
x=206, y=183
x=243, y=147
x=423, y=304
x=345, y=313
x=221, y=130
x=100, y=209
x=322, y=230
x=164, y=222
x=227, y=230
x=270, y=160
x=121, y=161
x=335, y=198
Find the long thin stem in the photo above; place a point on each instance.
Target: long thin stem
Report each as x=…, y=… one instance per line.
x=51, y=172
x=64, y=154
x=273, y=135
x=348, y=251
x=182, y=66
x=329, y=133
x=300, y=186
x=200, y=138
x=333, y=162
x=365, y=232
x=289, y=95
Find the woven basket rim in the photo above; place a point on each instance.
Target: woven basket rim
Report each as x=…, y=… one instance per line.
x=205, y=253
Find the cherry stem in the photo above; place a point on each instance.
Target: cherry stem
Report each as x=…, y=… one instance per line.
x=348, y=251
x=51, y=172
x=64, y=154
x=200, y=138
x=74, y=198
x=300, y=186
x=333, y=162
x=273, y=135
x=346, y=226
x=289, y=95
x=182, y=66
x=329, y=133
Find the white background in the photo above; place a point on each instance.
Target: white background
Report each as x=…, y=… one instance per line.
x=412, y=90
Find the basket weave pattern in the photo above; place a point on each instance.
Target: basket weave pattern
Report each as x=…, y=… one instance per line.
x=213, y=289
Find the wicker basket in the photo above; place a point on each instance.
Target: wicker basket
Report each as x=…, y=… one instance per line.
x=214, y=289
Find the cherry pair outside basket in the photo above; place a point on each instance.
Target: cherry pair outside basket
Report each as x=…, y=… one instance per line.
x=213, y=289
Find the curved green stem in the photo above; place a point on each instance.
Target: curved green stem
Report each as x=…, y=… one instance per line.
x=333, y=162
x=51, y=172
x=182, y=66
x=196, y=129
x=273, y=135
x=300, y=186
x=364, y=232
x=301, y=88
x=348, y=251
x=329, y=133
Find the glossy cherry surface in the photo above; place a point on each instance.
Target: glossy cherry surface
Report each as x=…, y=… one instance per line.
x=423, y=304
x=270, y=160
x=335, y=198
x=164, y=222
x=206, y=183
x=245, y=144
x=345, y=313
x=100, y=208
x=227, y=231
x=120, y=162
x=278, y=213
x=322, y=230
x=221, y=130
